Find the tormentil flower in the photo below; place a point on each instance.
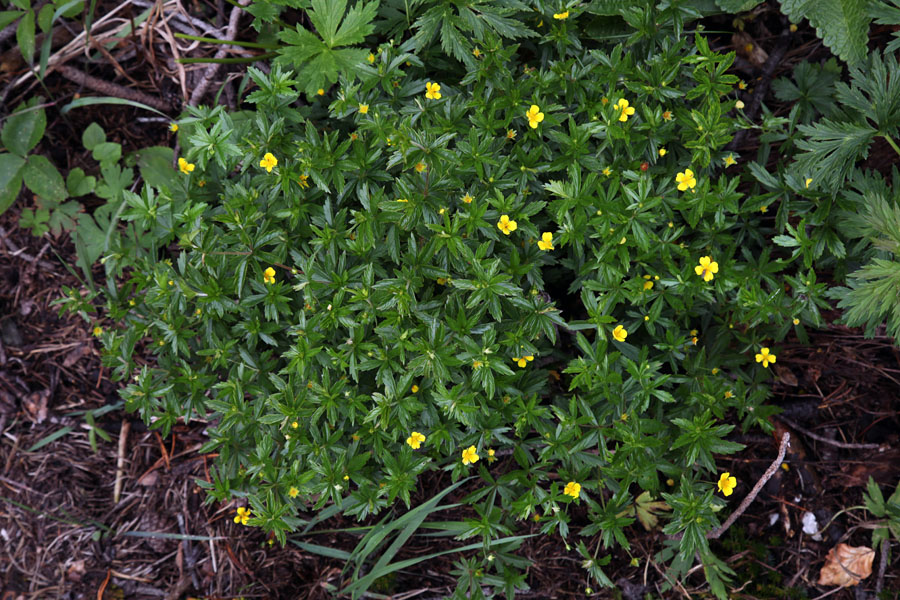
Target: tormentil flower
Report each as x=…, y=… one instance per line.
x=506, y=225
x=420, y=167
x=415, y=389
x=572, y=489
x=523, y=361
x=619, y=333
x=242, y=516
x=686, y=180
x=268, y=162
x=534, y=116
x=433, y=91
x=186, y=167
x=467, y=198
x=561, y=16
x=303, y=180
x=727, y=483
x=415, y=440
x=729, y=160
x=293, y=492
x=707, y=268
x=477, y=364
x=510, y=134
x=491, y=455
x=363, y=109
x=476, y=53
x=470, y=456
x=808, y=181
x=648, y=285
x=98, y=331
x=607, y=171
x=173, y=127
x=269, y=275
x=370, y=58
x=320, y=91
x=739, y=104
x=667, y=115
x=662, y=151
x=625, y=110
x=546, y=241
x=765, y=357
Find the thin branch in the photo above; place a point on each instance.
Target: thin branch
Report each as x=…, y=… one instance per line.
x=112, y=89
x=825, y=440
x=213, y=69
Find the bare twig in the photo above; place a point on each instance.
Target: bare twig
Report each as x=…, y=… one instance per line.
x=19, y=252
x=112, y=89
x=120, y=462
x=882, y=566
x=825, y=440
x=717, y=532
x=213, y=69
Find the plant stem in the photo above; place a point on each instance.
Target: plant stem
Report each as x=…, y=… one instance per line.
x=892, y=143
x=227, y=61
x=209, y=40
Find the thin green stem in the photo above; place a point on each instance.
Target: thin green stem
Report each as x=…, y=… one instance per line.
x=893, y=144
x=228, y=61
x=208, y=40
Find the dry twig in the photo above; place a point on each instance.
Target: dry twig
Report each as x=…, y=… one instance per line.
x=825, y=440
x=213, y=69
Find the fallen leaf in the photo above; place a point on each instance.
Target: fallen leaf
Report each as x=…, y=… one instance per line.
x=786, y=376
x=75, y=571
x=647, y=510
x=35, y=405
x=846, y=565
x=75, y=355
x=149, y=479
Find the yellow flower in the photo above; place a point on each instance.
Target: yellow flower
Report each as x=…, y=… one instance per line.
x=303, y=180
x=402, y=200
x=662, y=151
x=363, y=109
x=523, y=360
x=505, y=225
x=667, y=115
x=98, y=331
x=415, y=440
x=269, y=275
x=295, y=425
x=320, y=91
x=729, y=160
x=808, y=181
x=293, y=492
x=572, y=489
x=561, y=16
x=707, y=268
x=648, y=285
x=420, y=167
x=715, y=371
x=646, y=317
x=433, y=91
x=534, y=115
x=415, y=389
x=477, y=364
x=546, y=241
x=442, y=281
x=268, y=162
x=765, y=357
x=619, y=333
x=491, y=458
x=739, y=105
x=187, y=167
x=469, y=456
x=510, y=134
x=243, y=515
x=476, y=52
x=793, y=28
x=727, y=483
x=796, y=321
x=173, y=127
x=763, y=209
x=686, y=180
x=606, y=171
x=625, y=110
x=370, y=58
x=728, y=394
x=467, y=198
x=742, y=85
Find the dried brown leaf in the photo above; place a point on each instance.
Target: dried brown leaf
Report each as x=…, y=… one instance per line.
x=846, y=565
x=35, y=404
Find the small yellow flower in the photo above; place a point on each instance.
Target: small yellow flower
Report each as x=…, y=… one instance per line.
x=173, y=127
x=619, y=333
x=646, y=317
x=765, y=357
x=523, y=361
x=561, y=16
x=546, y=241
x=808, y=181
x=707, y=268
x=268, y=162
x=186, y=167
x=715, y=371
x=469, y=456
x=243, y=515
x=763, y=209
x=476, y=53
x=667, y=115
x=506, y=225
x=607, y=171
x=793, y=28
x=536, y=517
x=534, y=116
x=728, y=395
x=685, y=180
x=648, y=285
x=572, y=489
x=415, y=389
x=742, y=85
x=303, y=180
x=477, y=364
x=420, y=167
x=729, y=160
x=467, y=199
x=363, y=109
x=510, y=134
x=490, y=457
x=293, y=492
x=433, y=91
x=98, y=331
x=269, y=275
x=623, y=240
x=320, y=91
x=662, y=151
x=796, y=321
x=415, y=440
x=739, y=105
x=727, y=484
x=625, y=110
x=442, y=281
x=370, y=58
x=402, y=200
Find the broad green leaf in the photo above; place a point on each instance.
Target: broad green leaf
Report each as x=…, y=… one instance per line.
x=107, y=153
x=8, y=16
x=24, y=128
x=10, y=179
x=79, y=184
x=93, y=136
x=25, y=36
x=155, y=165
x=42, y=178
x=736, y=6
x=63, y=217
x=45, y=17
x=843, y=25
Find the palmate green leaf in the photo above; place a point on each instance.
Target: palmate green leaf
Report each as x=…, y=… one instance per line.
x=832, y=149
x=872, y=297
x=843, y=25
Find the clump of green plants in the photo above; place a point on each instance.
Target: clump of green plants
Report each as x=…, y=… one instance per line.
x=531, y=269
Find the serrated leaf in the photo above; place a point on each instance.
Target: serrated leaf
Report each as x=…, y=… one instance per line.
x=42, y=178
x=832, y=149
x=843, y=25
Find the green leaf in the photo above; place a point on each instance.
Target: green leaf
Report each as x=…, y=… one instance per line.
x=736, y=6
x=93, y=136
x=108, y=100
x=42, y=178
x=36, y=221
x=24, y=128
x=79, y=184
x=107, y=153
x=63, y=219
x=832, y=149
x=10, y=179
x=8, y=16
x=45, y=17
x=155, y=165
x=843, y=25
x=25, y=36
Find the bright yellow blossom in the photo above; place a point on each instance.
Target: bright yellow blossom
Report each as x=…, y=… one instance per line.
x=477, y=364
x=729, y=160
x=293, y=492
x=415, y=440
x=662, y=151
x=510, y=134
x=707, y=268
x=619, y=333
x=607, y=171
x=432, y=91
x=561, y=16
x=173, y=127
x=534, y=116
x=685, y=180
x=370, y=58
x=572, y=489
x=467, y=198
x=320, y=91
x=739, y=104
x=727, y=484
x=98, y=331
x=269, y=275
x=648, y=285
x=765, y=357
x=667, y=115
x=415, y=389
x=363, y=109
x=243, y=515
x=523, y=361
x=808, y=181
x=476, y=53
x=420, y=166
x=546, y=241
x=470, y=456
x=268, y=162
x=625, y=110
x=506, y=225
x=186, y=167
